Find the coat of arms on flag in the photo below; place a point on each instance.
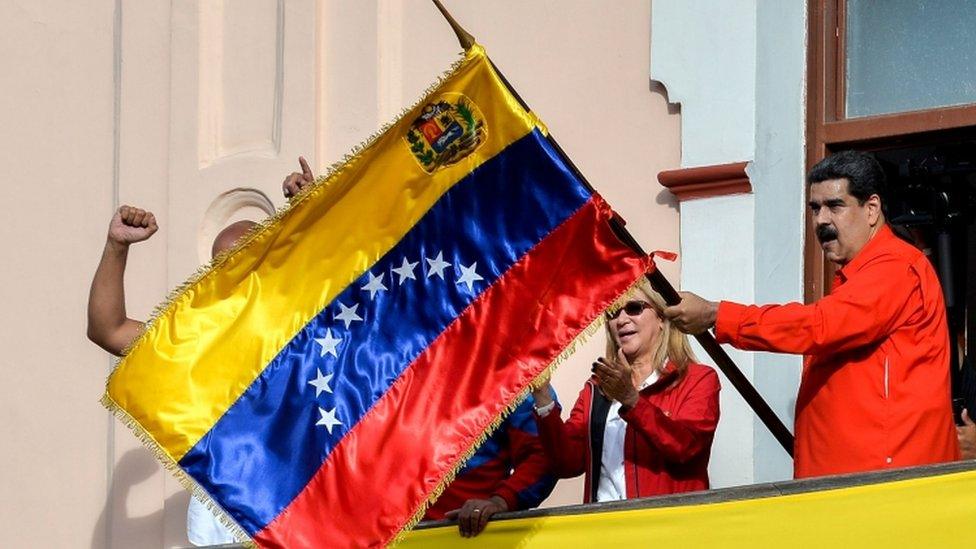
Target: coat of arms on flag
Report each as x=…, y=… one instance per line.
x=446, y=131
x=321, y=383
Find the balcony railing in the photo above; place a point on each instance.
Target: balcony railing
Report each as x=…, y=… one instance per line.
x=738, y=493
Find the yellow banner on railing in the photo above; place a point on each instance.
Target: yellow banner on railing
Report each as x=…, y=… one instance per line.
x=938, y=511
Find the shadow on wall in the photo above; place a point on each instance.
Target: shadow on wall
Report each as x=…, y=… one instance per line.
x=665, y=197
x=659, y=88
x=116, y=528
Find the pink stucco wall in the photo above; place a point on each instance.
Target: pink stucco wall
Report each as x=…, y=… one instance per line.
x=165, y=129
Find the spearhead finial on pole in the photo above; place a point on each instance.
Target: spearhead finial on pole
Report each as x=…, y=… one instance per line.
x=463, y=36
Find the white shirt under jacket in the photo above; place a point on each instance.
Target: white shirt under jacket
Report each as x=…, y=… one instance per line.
x=613, y=485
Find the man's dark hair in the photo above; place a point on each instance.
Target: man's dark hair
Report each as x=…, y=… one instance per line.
x=862, y=171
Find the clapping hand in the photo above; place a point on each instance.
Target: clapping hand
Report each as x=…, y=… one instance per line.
x=616, y=379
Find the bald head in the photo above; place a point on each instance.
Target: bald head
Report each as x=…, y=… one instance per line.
x=230, y=235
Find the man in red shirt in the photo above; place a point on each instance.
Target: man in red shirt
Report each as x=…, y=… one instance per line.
x=875, y=387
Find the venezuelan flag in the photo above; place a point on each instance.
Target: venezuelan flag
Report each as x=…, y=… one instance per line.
x=324, y=380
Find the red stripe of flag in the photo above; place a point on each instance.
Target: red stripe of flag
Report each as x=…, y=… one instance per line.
x=381, y=472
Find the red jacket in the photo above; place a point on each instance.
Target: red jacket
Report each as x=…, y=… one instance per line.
x=875, y=388
x=668, y=438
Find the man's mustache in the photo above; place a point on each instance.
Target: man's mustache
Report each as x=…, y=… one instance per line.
x=826, y=233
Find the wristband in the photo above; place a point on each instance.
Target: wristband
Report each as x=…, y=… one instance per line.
x=543, y=411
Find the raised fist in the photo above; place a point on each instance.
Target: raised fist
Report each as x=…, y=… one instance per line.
x=131, y=225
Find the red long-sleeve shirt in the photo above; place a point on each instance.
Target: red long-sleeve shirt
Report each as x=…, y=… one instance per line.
x=875, y=388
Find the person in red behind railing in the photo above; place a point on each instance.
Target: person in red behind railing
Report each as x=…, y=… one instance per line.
x=644, y=422
x=508, y=472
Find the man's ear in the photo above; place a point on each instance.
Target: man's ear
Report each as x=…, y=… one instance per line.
x=873, y=204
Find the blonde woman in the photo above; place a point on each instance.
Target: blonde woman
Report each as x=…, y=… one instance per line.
x=644, y=422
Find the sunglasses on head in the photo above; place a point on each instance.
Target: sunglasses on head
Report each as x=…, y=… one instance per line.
x=632, y=308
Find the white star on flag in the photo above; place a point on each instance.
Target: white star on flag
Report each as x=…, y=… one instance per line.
x=328, y=419
x=405, y=270
x=321, y=383
x=348, y=314
x=469, y=275
x=375, y=285
x=437, y=265
x=328, y=343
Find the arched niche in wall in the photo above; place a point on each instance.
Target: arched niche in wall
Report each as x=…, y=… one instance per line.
x=242, y=203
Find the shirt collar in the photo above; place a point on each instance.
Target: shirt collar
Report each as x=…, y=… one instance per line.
x=868, y=252
x=664, y=377
x=651, y=379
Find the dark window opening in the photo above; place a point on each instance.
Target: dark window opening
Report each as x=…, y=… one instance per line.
x=931, y=202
